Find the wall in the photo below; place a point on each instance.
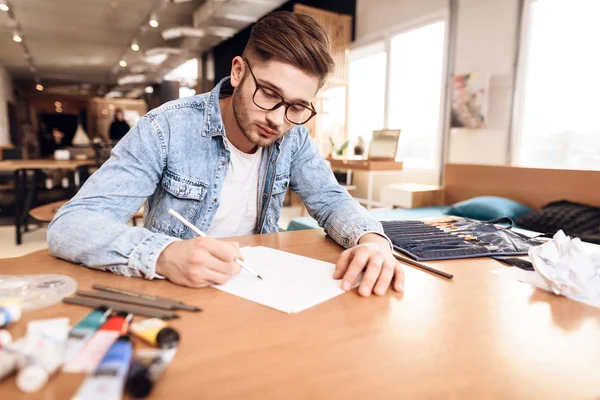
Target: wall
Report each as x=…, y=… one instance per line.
x=486, y=44
x=6, y=96
x=374, y=16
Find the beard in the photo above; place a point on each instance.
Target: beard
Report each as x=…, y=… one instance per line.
x=249, y=129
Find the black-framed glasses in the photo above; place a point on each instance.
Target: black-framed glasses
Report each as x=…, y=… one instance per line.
x=267, y=99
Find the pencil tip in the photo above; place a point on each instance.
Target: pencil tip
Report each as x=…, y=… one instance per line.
x=260, y=277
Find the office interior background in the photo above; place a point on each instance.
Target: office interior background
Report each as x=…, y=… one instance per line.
x=484, y=82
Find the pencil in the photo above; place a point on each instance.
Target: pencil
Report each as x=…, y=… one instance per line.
x=116, y=306
x=422, y=266
x=198, y=232
x=175, y=304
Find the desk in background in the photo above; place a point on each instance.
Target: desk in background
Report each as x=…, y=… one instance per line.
x=372, y=168
x=24, y=195
x=480, y=336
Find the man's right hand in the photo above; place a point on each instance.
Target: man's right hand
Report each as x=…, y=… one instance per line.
x=199, y=262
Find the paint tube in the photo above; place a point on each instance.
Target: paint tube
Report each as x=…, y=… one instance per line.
x=5, y=338
x=90, y=356
x=81, y=333
x=9, y=358
x=155, y=332
x=9, y=313
x=43, y=353
x=147, y=366
x=108, y=381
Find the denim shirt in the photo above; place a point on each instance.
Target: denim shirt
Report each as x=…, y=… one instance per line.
x=175, y=157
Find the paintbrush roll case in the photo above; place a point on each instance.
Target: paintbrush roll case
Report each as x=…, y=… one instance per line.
x=454, y=238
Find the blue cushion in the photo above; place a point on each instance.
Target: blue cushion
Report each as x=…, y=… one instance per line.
x=488, y=207
x=300, y=223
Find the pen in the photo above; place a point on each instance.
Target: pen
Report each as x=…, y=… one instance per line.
x=198, y=232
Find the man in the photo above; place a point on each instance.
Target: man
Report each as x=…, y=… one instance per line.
x=224, y=160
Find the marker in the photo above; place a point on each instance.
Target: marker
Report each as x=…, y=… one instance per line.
x=108, y=380
x=200, y=233
x=155, y=332
x=81, y=333
x=87, y=360
x=146, y=368
x=9, y=313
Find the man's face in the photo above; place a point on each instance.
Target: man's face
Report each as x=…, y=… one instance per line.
x=262, y=127
x=119, y=116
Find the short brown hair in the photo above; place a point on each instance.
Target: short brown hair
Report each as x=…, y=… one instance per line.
x=296, y=39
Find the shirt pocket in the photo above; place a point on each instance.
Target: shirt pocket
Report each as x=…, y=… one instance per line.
x=182, y=194
x=281, y=184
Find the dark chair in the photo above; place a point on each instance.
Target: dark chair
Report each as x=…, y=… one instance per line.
x=6, y=178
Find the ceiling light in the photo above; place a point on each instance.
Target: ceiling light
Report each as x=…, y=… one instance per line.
x=123, y=63
x=111, y=107
x=110, y=95
x=135, y=46
x=57, y=104
x=4, y=6
x=149, y=89
x=58, y=109
x=39, y=87
x=153, y=22
x=17, y=37
x=129, y=79
x=156, y=59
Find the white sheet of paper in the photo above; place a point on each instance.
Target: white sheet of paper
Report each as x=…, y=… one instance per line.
x=291, y=283
x=532, y=278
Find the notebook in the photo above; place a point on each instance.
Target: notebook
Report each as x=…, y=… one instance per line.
x=291, y=283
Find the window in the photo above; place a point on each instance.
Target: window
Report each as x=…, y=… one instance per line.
x=416, y=71
x=186, y=92
x=413, y=88
x=366, y=91
x=557, y=124
x=186, y=74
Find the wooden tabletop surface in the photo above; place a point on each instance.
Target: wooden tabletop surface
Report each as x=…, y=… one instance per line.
x=479, y=336
x=13, y=165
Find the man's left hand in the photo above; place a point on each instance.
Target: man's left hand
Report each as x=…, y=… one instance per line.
x=372, y=254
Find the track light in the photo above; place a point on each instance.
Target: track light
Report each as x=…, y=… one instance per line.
x=17, y=37
x=4, y=6
x=153, y=22
x=123, y=63
x=39, y=87
x=134, y=45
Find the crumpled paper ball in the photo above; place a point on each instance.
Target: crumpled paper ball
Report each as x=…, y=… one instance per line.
x=567, y=267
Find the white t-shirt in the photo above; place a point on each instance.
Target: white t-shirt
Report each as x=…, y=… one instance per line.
x=237, y=212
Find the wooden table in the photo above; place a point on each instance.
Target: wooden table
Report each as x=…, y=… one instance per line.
x=47, y=212
x=24, y=195
x=372, y=168
x=480, y=336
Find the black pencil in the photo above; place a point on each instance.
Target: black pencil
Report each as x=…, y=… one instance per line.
x=422, y=266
